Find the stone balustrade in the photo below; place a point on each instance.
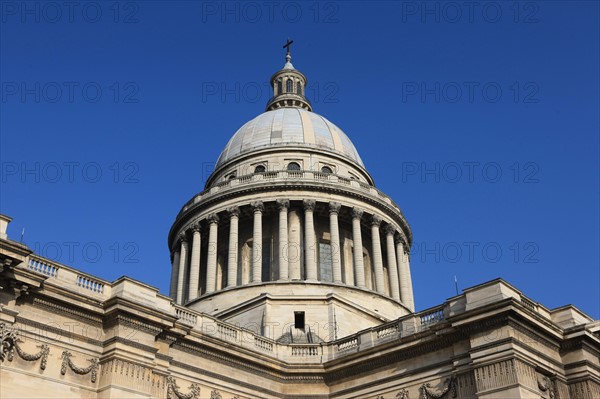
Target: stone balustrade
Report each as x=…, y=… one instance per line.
x=69, y=278
x=284, y=176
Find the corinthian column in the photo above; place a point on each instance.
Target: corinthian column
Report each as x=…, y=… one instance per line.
x=377, y=258
x=391, y=260
x=258, y=208
x=232, y=259
x=406, y=294
x=174, y=275
x=309, y=240
x=359, y=266
x=182, y=264
x=211, y=261
x=283, y=206
x=195, y=264
x=336, y=262
x=294, y=251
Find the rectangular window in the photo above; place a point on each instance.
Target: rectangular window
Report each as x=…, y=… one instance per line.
x=267, y=251
x=325, y=262
x=299, y=320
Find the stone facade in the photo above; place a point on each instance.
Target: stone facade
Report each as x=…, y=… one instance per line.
x=290, y=278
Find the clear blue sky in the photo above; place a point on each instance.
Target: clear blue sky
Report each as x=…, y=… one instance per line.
x=481, y=123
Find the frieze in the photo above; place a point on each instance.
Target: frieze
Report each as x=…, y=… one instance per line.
x=496, y=375
x=44, y=329
x=91, y=369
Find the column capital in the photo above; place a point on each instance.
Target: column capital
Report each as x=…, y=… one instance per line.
x=399, y=239
x=233, y=211
x=375, y=220
x=389, y=229
x=309, y=205
x=182, y=238
x=283, y=204
x=257, y=206
x=213, y=218
x=195, y=227
x=357, y=213
x=334, y=207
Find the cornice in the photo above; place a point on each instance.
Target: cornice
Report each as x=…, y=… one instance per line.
x=68, y=308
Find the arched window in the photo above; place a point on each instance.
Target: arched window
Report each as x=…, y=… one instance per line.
x=279, y=88
x=293, y=166
x=260, y=169
x=299, y=89
x=326, y=169
x=289, y=86
x=230, y=177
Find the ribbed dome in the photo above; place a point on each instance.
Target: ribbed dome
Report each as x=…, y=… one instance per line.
x=289, y=126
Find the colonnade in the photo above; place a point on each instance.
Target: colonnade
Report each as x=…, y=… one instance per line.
x=400, y=285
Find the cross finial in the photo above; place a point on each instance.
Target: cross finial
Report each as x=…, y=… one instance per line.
x=287, y=45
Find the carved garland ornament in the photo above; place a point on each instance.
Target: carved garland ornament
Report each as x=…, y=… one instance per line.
x=402, y=394
x=547, y=386
x=215, y=394
x=66, y=361
x=173, y=391
x=450, y=386
x=9, y=343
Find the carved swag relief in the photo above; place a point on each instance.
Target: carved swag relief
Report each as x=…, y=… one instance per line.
x=9, y=343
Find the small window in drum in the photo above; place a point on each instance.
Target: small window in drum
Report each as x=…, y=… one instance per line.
x=293, y=166
x=260, y=169
x=299, y=320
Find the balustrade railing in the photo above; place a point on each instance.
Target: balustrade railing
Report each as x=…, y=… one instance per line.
x=431, y=316
x=301, y=175
x=186, y=316
x=43, y=267
x=348, y=344
x=528, y=303
x=90, y=284
x=305, y=350
x=388, y=330
x=263, y=344
x=227, y=332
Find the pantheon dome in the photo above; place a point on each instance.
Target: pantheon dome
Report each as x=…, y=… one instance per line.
x=290, y=230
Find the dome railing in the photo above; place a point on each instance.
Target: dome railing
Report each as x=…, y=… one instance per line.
x=307, y=176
